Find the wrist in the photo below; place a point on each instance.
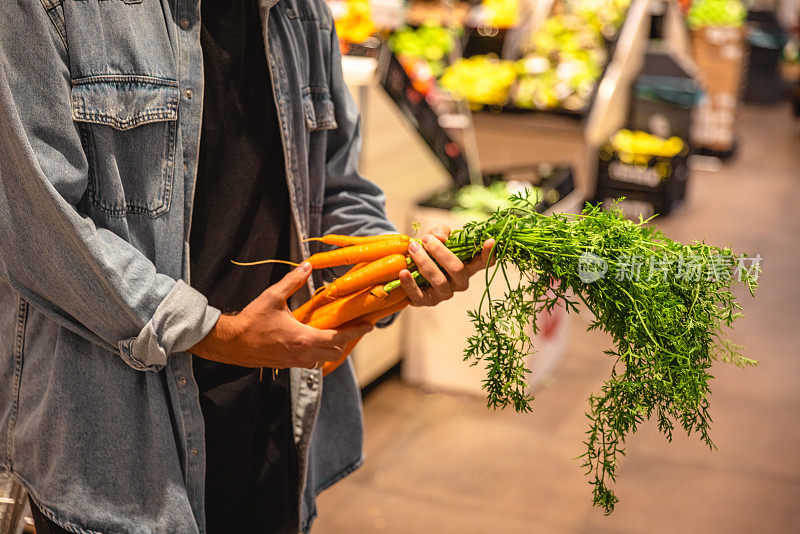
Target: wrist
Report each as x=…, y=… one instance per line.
x=219, y=340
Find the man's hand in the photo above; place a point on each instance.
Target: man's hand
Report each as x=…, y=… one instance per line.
x=266, y=334
x=456, y=273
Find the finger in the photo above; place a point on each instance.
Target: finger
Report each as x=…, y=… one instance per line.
x=488, y=254
x=415, y=295
x=485, y=259
x=459, y=277
x=432, y=298
x=341, y=336
x=294, y=280
x=441, y=232
x=430, y=270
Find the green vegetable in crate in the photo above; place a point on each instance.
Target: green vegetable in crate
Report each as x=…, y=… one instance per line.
x=481, y=80
x=477, y=202
x=664, y=305
x=716, y=13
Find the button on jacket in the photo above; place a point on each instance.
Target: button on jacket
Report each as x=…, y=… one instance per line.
x=100, y=110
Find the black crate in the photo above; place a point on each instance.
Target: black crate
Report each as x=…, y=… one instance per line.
x=661, y=183
x=765, y=39
x=637, y=203
x=415, y=107
x=660, y=118
x=663, y=98
x=484, y=41
x=659, y=175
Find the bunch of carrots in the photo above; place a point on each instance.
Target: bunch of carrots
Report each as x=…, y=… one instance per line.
x=666, y=331
x=359, y=293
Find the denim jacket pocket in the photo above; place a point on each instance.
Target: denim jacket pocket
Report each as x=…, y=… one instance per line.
x=318, y=109
x=128, y=126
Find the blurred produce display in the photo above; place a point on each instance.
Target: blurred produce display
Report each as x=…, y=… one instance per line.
x=430, y=42
x=501, y=14
x=555, y=65
x=637, y=147
x=561, y=62
x=703, y=13
x=481, y=80
x=560, y=65
x=421, y=12
x=356, y=25
x=605, y=16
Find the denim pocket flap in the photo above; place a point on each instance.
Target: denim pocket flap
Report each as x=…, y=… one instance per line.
x=318, y=109
x=124, y=101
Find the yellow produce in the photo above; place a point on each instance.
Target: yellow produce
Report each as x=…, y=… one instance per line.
x=356, y=25
x=481, y=80
x=639, y=147
x=501, y=13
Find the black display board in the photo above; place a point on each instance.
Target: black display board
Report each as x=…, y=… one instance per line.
x=415, y=106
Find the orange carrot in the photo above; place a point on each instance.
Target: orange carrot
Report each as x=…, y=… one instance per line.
x=351, y=307
x=372, y=318
x=349, y=240
x=357, y=266
x=377, y=272
x=321, y=296
x=358, y=253
x=347, y=255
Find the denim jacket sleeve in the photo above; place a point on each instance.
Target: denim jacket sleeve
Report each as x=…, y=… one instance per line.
x=85, y=277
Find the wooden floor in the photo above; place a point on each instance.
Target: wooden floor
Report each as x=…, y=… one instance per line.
x=444, y=464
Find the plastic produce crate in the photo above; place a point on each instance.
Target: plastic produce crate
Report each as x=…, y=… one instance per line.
x=656, y=188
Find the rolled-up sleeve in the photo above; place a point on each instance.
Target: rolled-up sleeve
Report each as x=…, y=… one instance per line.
x=181, y=320
x=83, y=276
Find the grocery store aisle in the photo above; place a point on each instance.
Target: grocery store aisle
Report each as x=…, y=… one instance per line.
x=444, y=464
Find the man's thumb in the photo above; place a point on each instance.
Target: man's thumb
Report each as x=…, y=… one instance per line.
x=294, y=280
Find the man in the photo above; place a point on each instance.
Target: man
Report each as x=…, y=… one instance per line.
x=141, y=141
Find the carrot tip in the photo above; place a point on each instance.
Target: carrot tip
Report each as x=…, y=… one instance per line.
x=379, y=292
x=262, y=262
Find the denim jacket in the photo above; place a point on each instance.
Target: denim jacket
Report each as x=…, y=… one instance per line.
x=100, y=111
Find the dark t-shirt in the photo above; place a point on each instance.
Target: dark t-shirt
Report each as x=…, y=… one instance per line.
x=241, y=212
